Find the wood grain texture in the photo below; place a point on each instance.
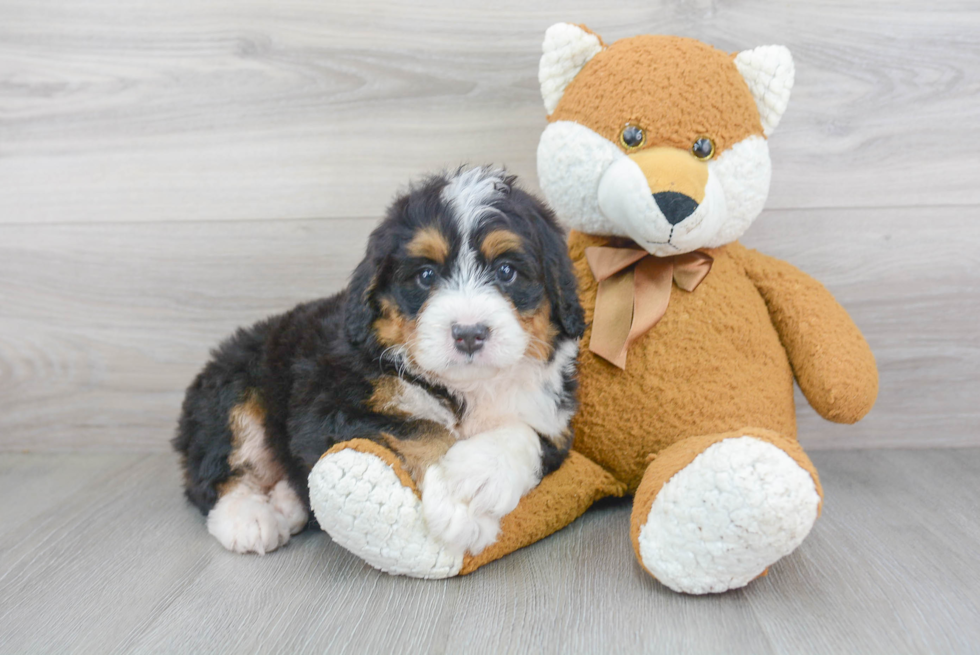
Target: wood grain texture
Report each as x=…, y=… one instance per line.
x=246, y=109
x=103, y=325
x=172, y=170
x=122, y=564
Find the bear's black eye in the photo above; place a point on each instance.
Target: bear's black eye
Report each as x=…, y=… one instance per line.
x=426, y=277
x=703, y=148
x=632, y=136
x=506, y=273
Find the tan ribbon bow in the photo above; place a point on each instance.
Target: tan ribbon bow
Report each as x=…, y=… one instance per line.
x=634, y=289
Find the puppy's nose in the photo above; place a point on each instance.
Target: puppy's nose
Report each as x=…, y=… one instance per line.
x=470, y=338
x=675, y=206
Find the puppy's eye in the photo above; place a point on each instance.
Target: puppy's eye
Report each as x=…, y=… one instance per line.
x=632, y=136
x=703, y=148
x=426, y=277
x=506, y=273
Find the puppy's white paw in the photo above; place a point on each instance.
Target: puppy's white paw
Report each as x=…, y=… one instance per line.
x=452, y=520
x=476, y=483
x=245, y=521
x=288, y=506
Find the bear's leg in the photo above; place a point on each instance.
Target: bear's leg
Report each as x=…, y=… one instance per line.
x=363, y=497
x=712, y=513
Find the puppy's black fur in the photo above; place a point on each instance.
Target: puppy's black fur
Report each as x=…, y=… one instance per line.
x=313, y=370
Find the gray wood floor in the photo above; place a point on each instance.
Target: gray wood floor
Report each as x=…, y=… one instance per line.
x=100, y=554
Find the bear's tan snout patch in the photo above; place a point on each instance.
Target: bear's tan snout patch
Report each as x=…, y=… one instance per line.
x=668, y=169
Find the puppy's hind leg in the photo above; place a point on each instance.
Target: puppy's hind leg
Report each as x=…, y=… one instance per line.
x=257, y=511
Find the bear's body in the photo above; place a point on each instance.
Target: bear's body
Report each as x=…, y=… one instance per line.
x=712, y=364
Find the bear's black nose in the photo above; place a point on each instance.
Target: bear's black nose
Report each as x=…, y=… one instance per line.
x=470, y=338
x=675, y=206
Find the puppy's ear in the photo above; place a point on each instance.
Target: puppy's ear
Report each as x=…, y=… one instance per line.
x=563, y=290
x=560, y=280
x=360, y=310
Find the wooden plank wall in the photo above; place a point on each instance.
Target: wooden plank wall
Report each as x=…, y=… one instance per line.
x=170, y=169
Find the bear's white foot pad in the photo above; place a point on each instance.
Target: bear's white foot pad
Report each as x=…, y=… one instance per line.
x=719, y=522
x=360, y=502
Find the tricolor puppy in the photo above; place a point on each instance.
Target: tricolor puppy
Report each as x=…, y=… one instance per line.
x=454, y=346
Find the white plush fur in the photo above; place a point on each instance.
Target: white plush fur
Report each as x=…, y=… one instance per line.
x=247, y=520
x=722, y=520
x=769, y=71
x=365, y=508
x=566, y=49
x=744, y=172
x=594, y=187
x=571, y=161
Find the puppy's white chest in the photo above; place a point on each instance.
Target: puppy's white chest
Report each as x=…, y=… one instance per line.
x=529, y=394
x=491, y=407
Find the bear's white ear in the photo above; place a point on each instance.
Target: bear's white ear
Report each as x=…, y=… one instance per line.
x=769, y=72
x=567, y=48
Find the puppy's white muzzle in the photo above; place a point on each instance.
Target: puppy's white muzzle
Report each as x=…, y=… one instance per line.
x=504, y=342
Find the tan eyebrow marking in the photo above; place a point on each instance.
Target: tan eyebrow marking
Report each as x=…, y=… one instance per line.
x=499, y=242
x=429, y=243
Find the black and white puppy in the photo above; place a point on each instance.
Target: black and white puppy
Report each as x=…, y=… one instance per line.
x=454, y=346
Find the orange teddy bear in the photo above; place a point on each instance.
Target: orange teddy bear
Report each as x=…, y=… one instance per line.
x=656, y=156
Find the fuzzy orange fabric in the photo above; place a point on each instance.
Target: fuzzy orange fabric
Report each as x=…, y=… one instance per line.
x=831, y=360
x=666, y=96
x=712, y=364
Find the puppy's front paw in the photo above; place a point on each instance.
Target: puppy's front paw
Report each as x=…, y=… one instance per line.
x=451, y=519
x=288, y=507
x=476, y=483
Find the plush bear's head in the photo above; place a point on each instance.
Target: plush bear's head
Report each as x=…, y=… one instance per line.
x=660, y=139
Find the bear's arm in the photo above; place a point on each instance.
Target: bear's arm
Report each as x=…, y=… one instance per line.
x=830, y=358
